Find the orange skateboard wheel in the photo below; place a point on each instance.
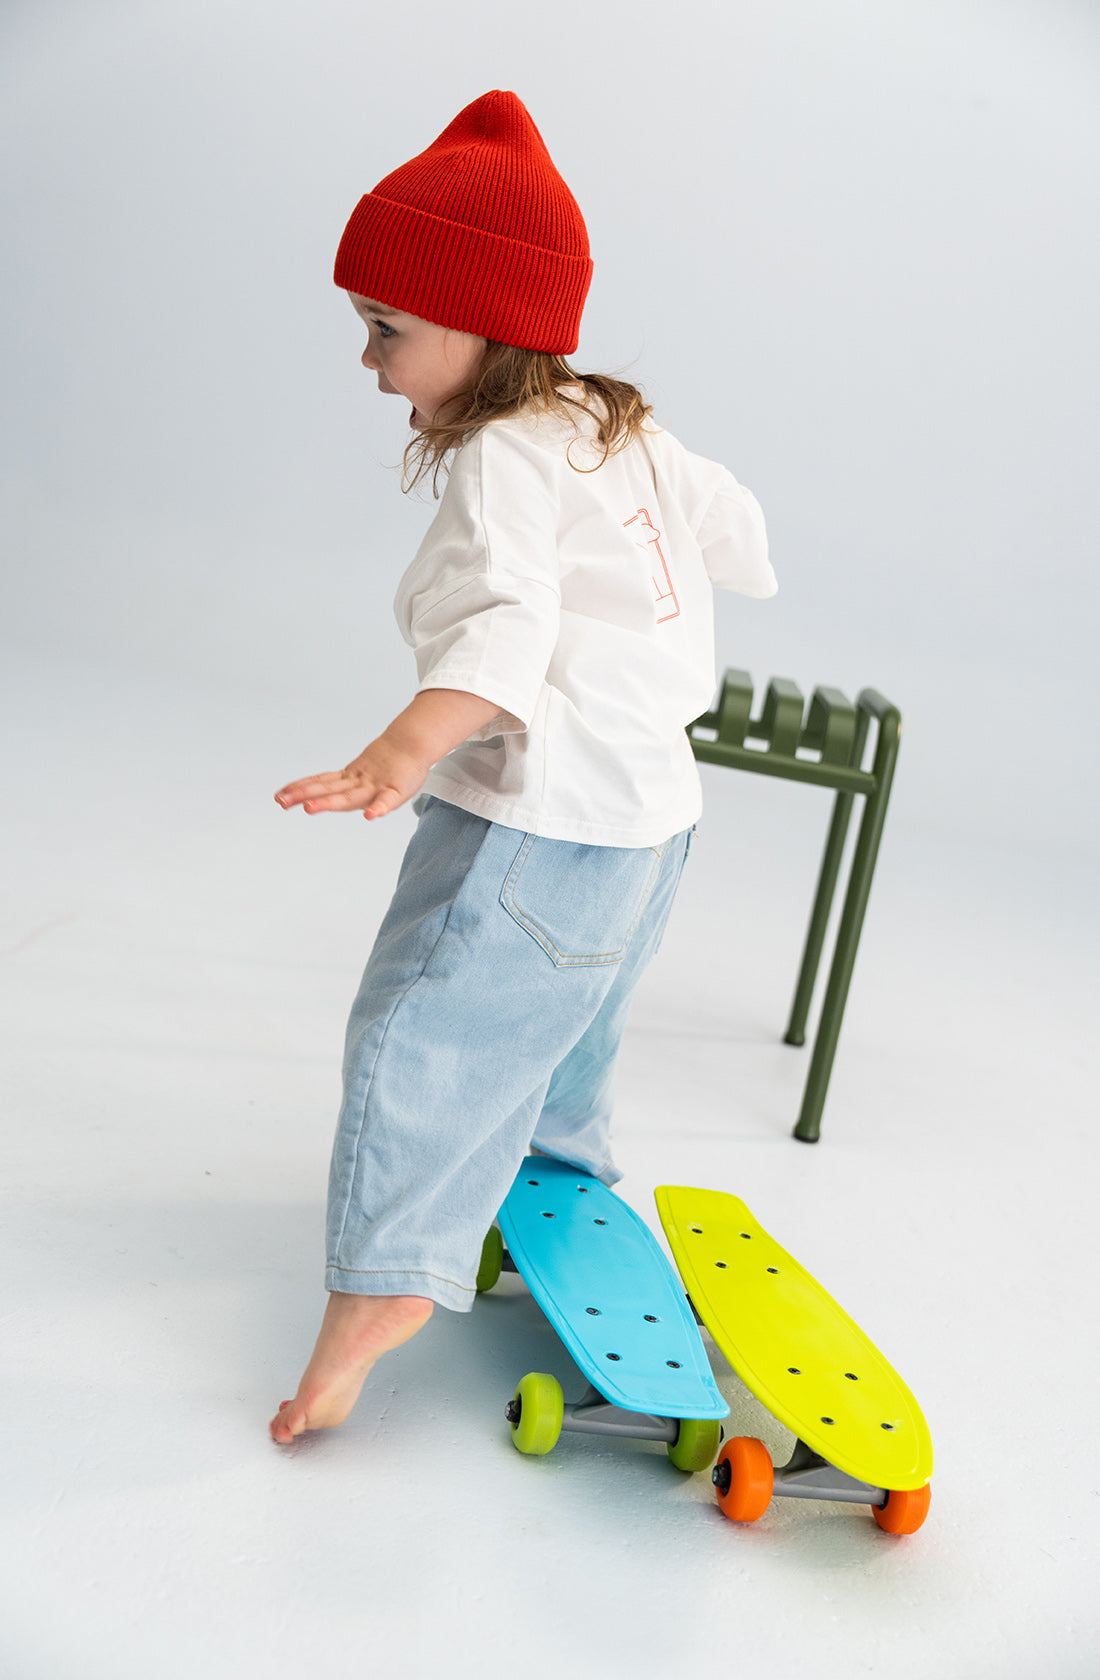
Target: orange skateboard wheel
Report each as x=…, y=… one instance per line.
x=904, y=1512
x=744, y=1478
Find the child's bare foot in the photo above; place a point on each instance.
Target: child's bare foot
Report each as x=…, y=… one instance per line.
x=355, y=1331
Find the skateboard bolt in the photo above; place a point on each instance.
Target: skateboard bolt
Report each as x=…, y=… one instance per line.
x=887, y=1426
x=773, y=1269
x=583, y=1189
x=794, y=1370
x=533, y=1181
x=548, y=1216
x=851, y=1376
x=747, y=1235
x=721, y=1476
x=827, y=1420
x=599, y=1222
x=721, y=1265
x=615, y=1356
x=697, y=1230
x=595, y=1311
x=650, y=1318
x=675, y=1363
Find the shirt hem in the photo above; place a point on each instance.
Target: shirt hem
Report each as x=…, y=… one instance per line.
x=510, y=813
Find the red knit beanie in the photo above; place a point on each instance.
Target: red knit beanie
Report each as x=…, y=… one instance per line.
x=479, y=233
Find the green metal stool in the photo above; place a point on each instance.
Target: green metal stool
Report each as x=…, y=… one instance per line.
x=826, y=750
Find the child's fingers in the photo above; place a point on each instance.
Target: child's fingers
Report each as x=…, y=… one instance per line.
x=352, y=798
x=313, y=787
x=360, y=787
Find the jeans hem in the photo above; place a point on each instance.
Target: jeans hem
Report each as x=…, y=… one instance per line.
x=443, y=1291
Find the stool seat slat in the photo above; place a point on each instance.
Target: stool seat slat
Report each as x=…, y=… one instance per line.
x=831, y=726
x=781, y=720
x=734, y=708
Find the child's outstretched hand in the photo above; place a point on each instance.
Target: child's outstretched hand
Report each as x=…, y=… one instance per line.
x=377, y=782
x=393, y=768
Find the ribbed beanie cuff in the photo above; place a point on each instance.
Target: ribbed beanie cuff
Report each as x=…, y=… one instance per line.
x=479, y=233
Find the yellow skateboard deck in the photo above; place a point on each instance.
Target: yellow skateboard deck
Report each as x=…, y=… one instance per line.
x=792, y=1344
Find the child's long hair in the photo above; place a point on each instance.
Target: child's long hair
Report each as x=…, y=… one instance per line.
x=508, y=380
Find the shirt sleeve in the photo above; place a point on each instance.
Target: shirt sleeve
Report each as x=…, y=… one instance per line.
x=734, y=541
x=480, y=605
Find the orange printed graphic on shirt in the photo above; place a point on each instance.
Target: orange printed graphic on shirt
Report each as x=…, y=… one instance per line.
x=651, y=544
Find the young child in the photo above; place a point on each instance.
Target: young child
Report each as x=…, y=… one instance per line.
x=560, y=612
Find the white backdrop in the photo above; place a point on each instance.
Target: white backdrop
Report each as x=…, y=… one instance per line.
x=849, y=246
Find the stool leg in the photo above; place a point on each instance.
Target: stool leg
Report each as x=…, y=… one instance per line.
x=808, y=1128
x=819, y=918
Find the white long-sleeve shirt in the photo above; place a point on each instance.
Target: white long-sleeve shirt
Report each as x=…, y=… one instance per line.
x=581, y=604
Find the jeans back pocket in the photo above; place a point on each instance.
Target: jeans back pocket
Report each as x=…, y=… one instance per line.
x=581, y=903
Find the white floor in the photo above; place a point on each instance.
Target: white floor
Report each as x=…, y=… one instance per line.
x=180, y=957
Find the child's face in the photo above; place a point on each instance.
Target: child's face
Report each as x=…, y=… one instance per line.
x=416, y=359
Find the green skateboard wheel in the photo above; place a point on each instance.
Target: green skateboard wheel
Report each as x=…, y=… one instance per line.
x=492, y=1254
x=536, y=1413
x=696, y=1444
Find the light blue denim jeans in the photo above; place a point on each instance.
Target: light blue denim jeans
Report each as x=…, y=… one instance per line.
x=487, y=1023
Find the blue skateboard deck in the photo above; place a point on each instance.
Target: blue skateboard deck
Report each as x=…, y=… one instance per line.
x=602, y=1280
